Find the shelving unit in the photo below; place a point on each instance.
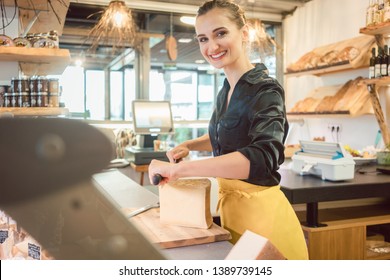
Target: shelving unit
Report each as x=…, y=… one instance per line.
x=316, y=115
x=345, y=233
x=360, y=62
x=325, y=70
x=37, y=61
x=348, y=227
x=379, y=31
x=36, y=111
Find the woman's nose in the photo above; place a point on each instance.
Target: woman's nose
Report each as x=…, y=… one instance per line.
x=213, y=45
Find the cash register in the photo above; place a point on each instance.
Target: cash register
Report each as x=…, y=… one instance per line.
x=150, y=119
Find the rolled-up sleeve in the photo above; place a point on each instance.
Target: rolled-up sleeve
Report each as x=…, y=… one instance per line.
x=267, y=132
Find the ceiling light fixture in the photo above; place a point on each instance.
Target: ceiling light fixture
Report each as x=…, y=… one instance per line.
x=188, y=20
x=116, y=27
x=185, y=40
x=262, y=45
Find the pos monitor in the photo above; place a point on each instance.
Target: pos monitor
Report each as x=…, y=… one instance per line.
x=150, y=119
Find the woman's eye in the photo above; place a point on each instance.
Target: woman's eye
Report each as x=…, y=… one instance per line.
x=202, y=39
x=221, y=33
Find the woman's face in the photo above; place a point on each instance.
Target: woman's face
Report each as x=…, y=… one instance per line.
x=220, y=40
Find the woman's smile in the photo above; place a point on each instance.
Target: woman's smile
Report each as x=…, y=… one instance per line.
x=218, y=55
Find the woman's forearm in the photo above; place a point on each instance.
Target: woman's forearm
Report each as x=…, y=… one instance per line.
x=201, y=143
x=232, y=166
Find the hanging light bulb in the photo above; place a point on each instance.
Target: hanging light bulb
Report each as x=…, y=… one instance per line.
x=261, y=43
x=118, y=19
x=115, y=27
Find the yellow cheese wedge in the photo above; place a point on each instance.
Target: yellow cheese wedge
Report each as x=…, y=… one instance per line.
x=186, y=202
x=252, y=246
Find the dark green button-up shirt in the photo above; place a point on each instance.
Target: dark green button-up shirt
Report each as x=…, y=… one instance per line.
x=254, y=124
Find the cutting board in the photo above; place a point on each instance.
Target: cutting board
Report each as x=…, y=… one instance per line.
x=167, y=236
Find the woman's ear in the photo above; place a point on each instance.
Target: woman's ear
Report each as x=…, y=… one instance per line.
x=245, y=33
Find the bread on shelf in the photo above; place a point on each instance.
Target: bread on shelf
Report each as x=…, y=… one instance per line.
x=352, y=98
x=354, y=51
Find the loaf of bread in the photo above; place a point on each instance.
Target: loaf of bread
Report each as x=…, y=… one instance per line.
x=348, y=54
x=307, y=61
x=306, y=105
x=186, y=202
x=351, y=96
x=355, y=51
x=328, y=102
x=329, y=58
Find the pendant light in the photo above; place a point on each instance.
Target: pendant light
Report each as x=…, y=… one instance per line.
x=116, y=27
x=171, y=44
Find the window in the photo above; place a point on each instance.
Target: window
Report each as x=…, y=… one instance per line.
x=129, y=83
x=116, y=96
x=95, y=94
x=72, y=85
x=191, y=93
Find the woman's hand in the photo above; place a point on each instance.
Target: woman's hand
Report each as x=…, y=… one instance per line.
x=165, y=169
x=178, y=153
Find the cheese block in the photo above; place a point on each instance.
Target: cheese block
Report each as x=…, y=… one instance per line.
x=186, y=202
x=252, y=246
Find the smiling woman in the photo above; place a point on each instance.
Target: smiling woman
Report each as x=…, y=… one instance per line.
x=246, y=134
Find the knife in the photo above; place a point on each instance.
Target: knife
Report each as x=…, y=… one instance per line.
x=143, y=209
x=157, y=177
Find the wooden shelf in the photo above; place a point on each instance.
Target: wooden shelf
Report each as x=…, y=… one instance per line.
x=345, y=233
x=371, y=255
x=297, y=115
x=324, y=71
x=35, y=111
x=378, y=29
x=384, y=81
x=37, y=61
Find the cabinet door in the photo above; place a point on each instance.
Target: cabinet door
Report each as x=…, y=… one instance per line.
x=337, y=244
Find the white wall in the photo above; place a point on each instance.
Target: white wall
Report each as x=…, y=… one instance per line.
x=319, y=23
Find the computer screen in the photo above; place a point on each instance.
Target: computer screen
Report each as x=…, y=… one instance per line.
x=152, y=117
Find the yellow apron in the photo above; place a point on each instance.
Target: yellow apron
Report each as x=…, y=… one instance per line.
x=263, y=210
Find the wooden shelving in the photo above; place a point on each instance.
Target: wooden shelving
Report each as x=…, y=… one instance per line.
x=325, y=70
x=37, y=61
x=40, y=62
x=316, y=115
x=378, y=29
x=346, y=227
x=384, y=81
x=35, y=111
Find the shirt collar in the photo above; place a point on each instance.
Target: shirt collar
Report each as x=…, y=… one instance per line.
x=260, y=71
x=253, y=75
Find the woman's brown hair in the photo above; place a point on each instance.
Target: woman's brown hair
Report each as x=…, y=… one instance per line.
x=236, y=13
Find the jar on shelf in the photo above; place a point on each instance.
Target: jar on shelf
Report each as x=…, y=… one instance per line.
x=54, y=92
x=20, y=85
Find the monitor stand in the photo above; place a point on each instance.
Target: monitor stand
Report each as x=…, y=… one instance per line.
x=145, y=142
x=143, y=153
